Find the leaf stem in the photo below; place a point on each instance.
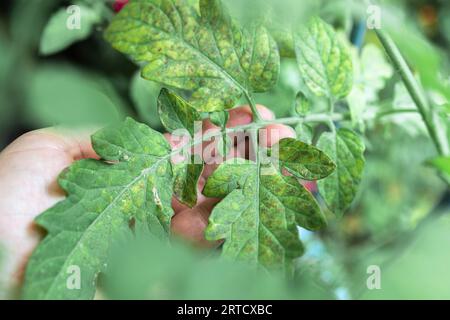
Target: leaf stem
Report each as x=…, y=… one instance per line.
x=318, y=117
x=385, y=113
x=413, y=87
x=331, y=125
x=256, y=115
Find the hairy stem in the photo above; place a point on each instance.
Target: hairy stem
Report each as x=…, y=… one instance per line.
x=413, y=87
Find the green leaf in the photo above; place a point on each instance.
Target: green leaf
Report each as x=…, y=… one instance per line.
x=206, y=54
x=57, y=35
x=142, y=269
x=304, y=161
x=285, y=42
x=175, y=113
x=346, y=148
x=442, y=164
x=186, y=180
x=324, y=60
x=219, y=118
x=144, y=95
x=259, y=214
x=60, y=94
x=372, y=70
x=446, y=109
x=302, y=104
x=133, y=181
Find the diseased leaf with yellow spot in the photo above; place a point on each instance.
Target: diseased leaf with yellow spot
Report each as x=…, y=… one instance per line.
x=133, y=181
x=324, y=60
x=203, y=52
x=346, y=148
x=259, y=214
x=175, y=113
x=186, y=180
x=219, y=118
x=303, y=160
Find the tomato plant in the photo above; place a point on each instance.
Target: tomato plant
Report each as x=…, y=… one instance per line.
x=203, y=62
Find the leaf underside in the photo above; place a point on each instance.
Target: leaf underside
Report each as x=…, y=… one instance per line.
x=205, y=53
x=347, y=149
x=133, y=181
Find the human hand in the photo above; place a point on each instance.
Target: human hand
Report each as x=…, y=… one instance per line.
x=29, y=168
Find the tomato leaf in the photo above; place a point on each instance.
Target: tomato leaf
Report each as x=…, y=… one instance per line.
x=346, y=148
x=304, y=161
x=175, y=113
x=302, y=104
x=259, y=214
x=186, y=180
x=205, y=53
x=58, y=36
x=133, y=181
x=324, y=60
x=219, y=118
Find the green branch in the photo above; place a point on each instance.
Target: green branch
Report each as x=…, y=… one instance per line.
x=256, y=115
x=413, y=87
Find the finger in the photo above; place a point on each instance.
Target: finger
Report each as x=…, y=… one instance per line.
x=243, y=115
x=190, y=224
x=76, y=143
x=273, y=133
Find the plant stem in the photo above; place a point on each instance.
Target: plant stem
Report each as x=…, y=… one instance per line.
x=412, y=86
x=318, y=117
x=393, y=112
x=256, y=115
x=331, y=125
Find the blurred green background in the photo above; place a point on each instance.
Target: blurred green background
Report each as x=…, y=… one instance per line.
x=400, y=219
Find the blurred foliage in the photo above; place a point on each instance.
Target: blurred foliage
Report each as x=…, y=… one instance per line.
x=397, y=220
x=83, y=98
x=142, y=268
